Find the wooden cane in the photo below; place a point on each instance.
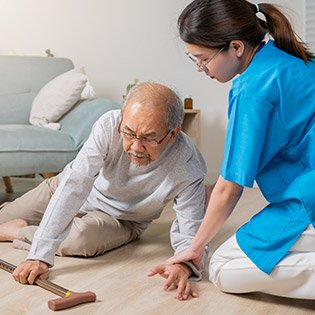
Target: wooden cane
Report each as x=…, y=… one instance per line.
x=68, y=298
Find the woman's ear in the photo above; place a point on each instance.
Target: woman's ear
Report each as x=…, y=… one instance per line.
x=237, y=47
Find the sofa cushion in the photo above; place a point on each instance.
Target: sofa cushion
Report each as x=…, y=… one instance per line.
x=36, y=139
x=57, y=97
x=21, y=79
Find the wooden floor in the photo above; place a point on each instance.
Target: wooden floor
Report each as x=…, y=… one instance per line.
x=119, y=277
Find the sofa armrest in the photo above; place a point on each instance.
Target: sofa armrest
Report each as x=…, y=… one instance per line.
x=79, y=121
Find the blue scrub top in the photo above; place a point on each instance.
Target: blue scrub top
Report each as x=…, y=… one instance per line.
x=271, y=139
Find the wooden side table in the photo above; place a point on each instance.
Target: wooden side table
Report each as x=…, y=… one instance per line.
x=191, y=125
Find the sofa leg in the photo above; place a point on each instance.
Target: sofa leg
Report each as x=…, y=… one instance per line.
x=7, y=184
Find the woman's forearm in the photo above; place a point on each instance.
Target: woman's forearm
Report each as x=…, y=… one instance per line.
x=223, y=199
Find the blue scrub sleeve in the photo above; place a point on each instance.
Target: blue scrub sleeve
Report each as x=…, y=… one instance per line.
x=245, y=138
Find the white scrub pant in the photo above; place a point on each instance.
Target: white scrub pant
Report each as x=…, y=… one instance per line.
x=294, y=276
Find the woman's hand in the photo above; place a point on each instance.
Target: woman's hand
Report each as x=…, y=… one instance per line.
x=223, y=199
x=29, y=270
x=186, y=255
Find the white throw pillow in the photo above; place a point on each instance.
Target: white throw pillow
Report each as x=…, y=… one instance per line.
x=88, y=91
x=57, y=97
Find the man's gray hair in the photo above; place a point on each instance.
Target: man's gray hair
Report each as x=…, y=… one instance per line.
x=158, y=94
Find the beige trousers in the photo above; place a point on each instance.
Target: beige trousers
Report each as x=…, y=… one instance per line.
x=294, y=276
x=91, y=234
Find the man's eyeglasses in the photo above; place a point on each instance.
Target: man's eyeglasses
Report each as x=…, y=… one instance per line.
x=145, y=141
x=202, y=65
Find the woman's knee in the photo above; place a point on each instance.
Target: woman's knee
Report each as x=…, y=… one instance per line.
x=216, y=265
x=235, y=273
x=222, y=263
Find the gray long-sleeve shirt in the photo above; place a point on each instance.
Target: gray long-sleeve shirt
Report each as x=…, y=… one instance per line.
x=103, y=177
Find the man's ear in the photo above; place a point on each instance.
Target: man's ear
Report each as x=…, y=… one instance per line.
x=174, y=133
x=237, y=47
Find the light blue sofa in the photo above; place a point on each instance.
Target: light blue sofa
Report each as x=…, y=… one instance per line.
x=26, y=149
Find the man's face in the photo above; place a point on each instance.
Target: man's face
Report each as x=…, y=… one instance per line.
x=142, y=128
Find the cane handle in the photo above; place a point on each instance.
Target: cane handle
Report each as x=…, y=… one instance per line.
x=71, y=299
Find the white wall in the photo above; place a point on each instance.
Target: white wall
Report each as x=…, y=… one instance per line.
x=118, y=40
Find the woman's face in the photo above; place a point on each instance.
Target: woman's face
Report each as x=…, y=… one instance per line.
x=221, y=65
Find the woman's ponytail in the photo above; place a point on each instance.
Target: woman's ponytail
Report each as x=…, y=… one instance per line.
x=280, y=29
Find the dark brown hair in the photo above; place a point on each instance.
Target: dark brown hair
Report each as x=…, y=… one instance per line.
x=215, y=23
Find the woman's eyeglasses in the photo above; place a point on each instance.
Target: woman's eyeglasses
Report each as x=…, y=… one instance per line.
x=202, y=65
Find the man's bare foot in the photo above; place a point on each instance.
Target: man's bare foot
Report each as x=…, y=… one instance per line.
x=9, y=231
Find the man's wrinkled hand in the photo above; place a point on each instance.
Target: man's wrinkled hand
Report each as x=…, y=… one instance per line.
x=29, y=270
x=176, y=275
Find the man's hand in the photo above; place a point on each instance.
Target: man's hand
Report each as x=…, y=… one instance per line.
x=29, y=270
x=187, y=254
x=175, y=275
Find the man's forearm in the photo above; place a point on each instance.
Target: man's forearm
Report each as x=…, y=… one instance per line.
x=56, y=222
x=194, y=273
x=186, y=268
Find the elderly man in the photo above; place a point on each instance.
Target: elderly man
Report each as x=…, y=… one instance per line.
x=134, y=162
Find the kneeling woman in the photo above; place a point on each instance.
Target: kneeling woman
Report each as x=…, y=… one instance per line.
x=270, y=138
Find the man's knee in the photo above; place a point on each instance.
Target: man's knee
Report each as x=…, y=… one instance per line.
x=8, y=212
x=31, y=205
x=87, y=240
x=78, y=242
x=52, y=183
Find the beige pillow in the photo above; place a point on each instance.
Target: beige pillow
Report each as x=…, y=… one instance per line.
x=57, y=97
